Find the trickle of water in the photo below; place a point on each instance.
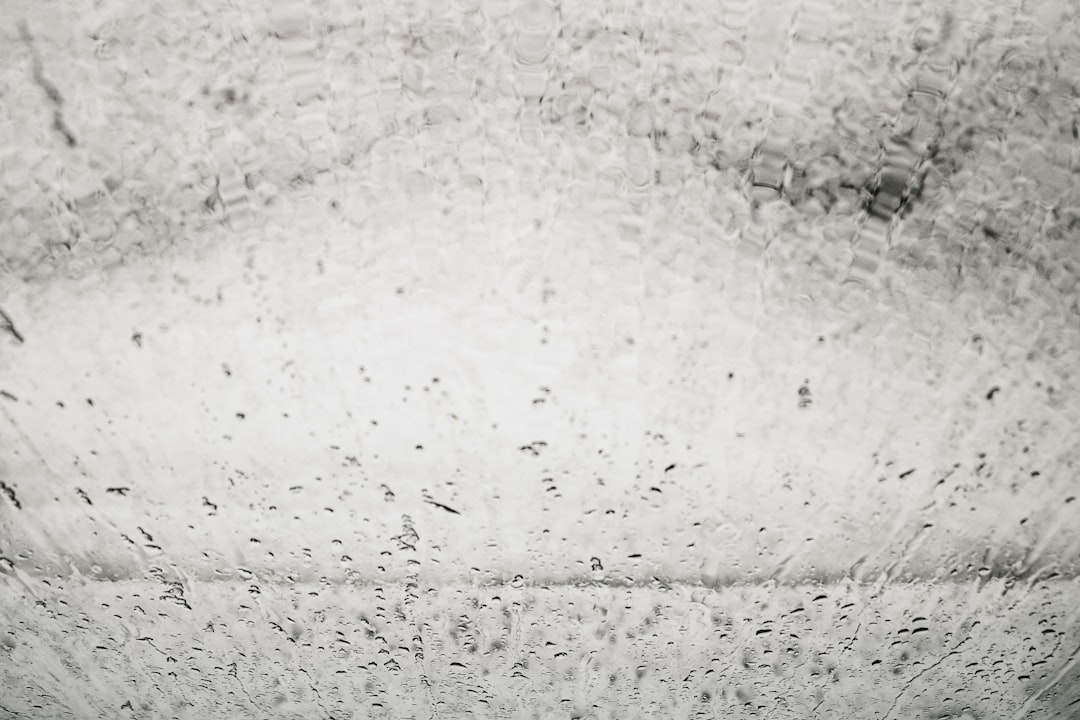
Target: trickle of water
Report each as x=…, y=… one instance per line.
x=529, y=359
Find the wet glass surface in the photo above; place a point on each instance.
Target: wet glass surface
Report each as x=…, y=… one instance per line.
x=532, y=359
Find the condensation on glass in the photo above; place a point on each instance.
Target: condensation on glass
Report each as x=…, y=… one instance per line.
x=539, y=359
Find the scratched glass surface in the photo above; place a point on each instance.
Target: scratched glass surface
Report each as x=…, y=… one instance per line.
x=480, y=359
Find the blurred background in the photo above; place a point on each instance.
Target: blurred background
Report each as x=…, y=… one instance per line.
x=539, y=359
